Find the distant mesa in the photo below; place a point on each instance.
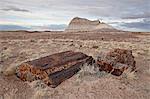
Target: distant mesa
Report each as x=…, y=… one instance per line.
x=82, y=24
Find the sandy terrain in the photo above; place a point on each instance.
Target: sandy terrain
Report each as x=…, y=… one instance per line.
x=17, y=47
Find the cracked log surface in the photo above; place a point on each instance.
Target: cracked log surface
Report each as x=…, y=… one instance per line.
x=53, y=69
x=116, y=61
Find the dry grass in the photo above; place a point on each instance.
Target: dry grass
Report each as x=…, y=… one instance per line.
x=40, y=94
x=11, y=70
x=129, y=74
x=148, y=71
x=90, y=72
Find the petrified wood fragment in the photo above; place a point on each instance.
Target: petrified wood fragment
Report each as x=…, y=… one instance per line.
x=116, y=61
x=53, y=69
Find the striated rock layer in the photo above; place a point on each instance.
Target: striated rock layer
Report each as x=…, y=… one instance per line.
x=81, y=24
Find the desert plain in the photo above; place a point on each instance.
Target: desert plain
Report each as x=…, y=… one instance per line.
x=20, y=46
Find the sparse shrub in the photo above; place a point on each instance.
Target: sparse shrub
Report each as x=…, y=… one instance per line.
x=32, y=40
x=38, y=84
x=148, y=71
x=5, y=48
x=95, y=47
x=41, y=94
x=11, y=70
x=71, y=44
x=129, y=74
x=90, y=70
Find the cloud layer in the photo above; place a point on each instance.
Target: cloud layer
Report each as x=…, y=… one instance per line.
x=45, y=12
x=143, y=25
x=11, y=8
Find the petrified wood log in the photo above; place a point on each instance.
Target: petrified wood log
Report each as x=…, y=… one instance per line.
x=116, y=61
x=53, y=69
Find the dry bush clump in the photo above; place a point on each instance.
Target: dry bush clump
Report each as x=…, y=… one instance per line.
x=148, y=71
x=11, y=70
x=6, y=54
x=40, y=94
x=90, y=71
x=42, y=91
x=37, y=84
x=33, y=40
x=129, y=74
x=95, y=47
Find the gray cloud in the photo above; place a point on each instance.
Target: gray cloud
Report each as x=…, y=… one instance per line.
x=144, y=15
x=11, y=8
x=143, y=25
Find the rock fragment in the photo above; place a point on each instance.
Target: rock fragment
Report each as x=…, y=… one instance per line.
x=116, y=61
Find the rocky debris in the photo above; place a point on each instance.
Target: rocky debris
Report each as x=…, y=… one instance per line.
x=81, y=24
x=53, y=69
x=116, y=61
x=56, y=68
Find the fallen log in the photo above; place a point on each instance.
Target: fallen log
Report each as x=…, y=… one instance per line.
x=116, y=61
x=53, y=69
x=56, y=78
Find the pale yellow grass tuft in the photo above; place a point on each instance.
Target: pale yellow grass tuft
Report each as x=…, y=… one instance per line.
x=11, y=70
x=148, y=71
x=89, y=68
x=129, y=74
x=40, y=94
x=90, y=71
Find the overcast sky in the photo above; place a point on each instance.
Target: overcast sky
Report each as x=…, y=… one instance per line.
x=124, y=14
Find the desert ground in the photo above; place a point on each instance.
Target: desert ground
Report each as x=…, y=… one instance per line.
x=20, y=46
